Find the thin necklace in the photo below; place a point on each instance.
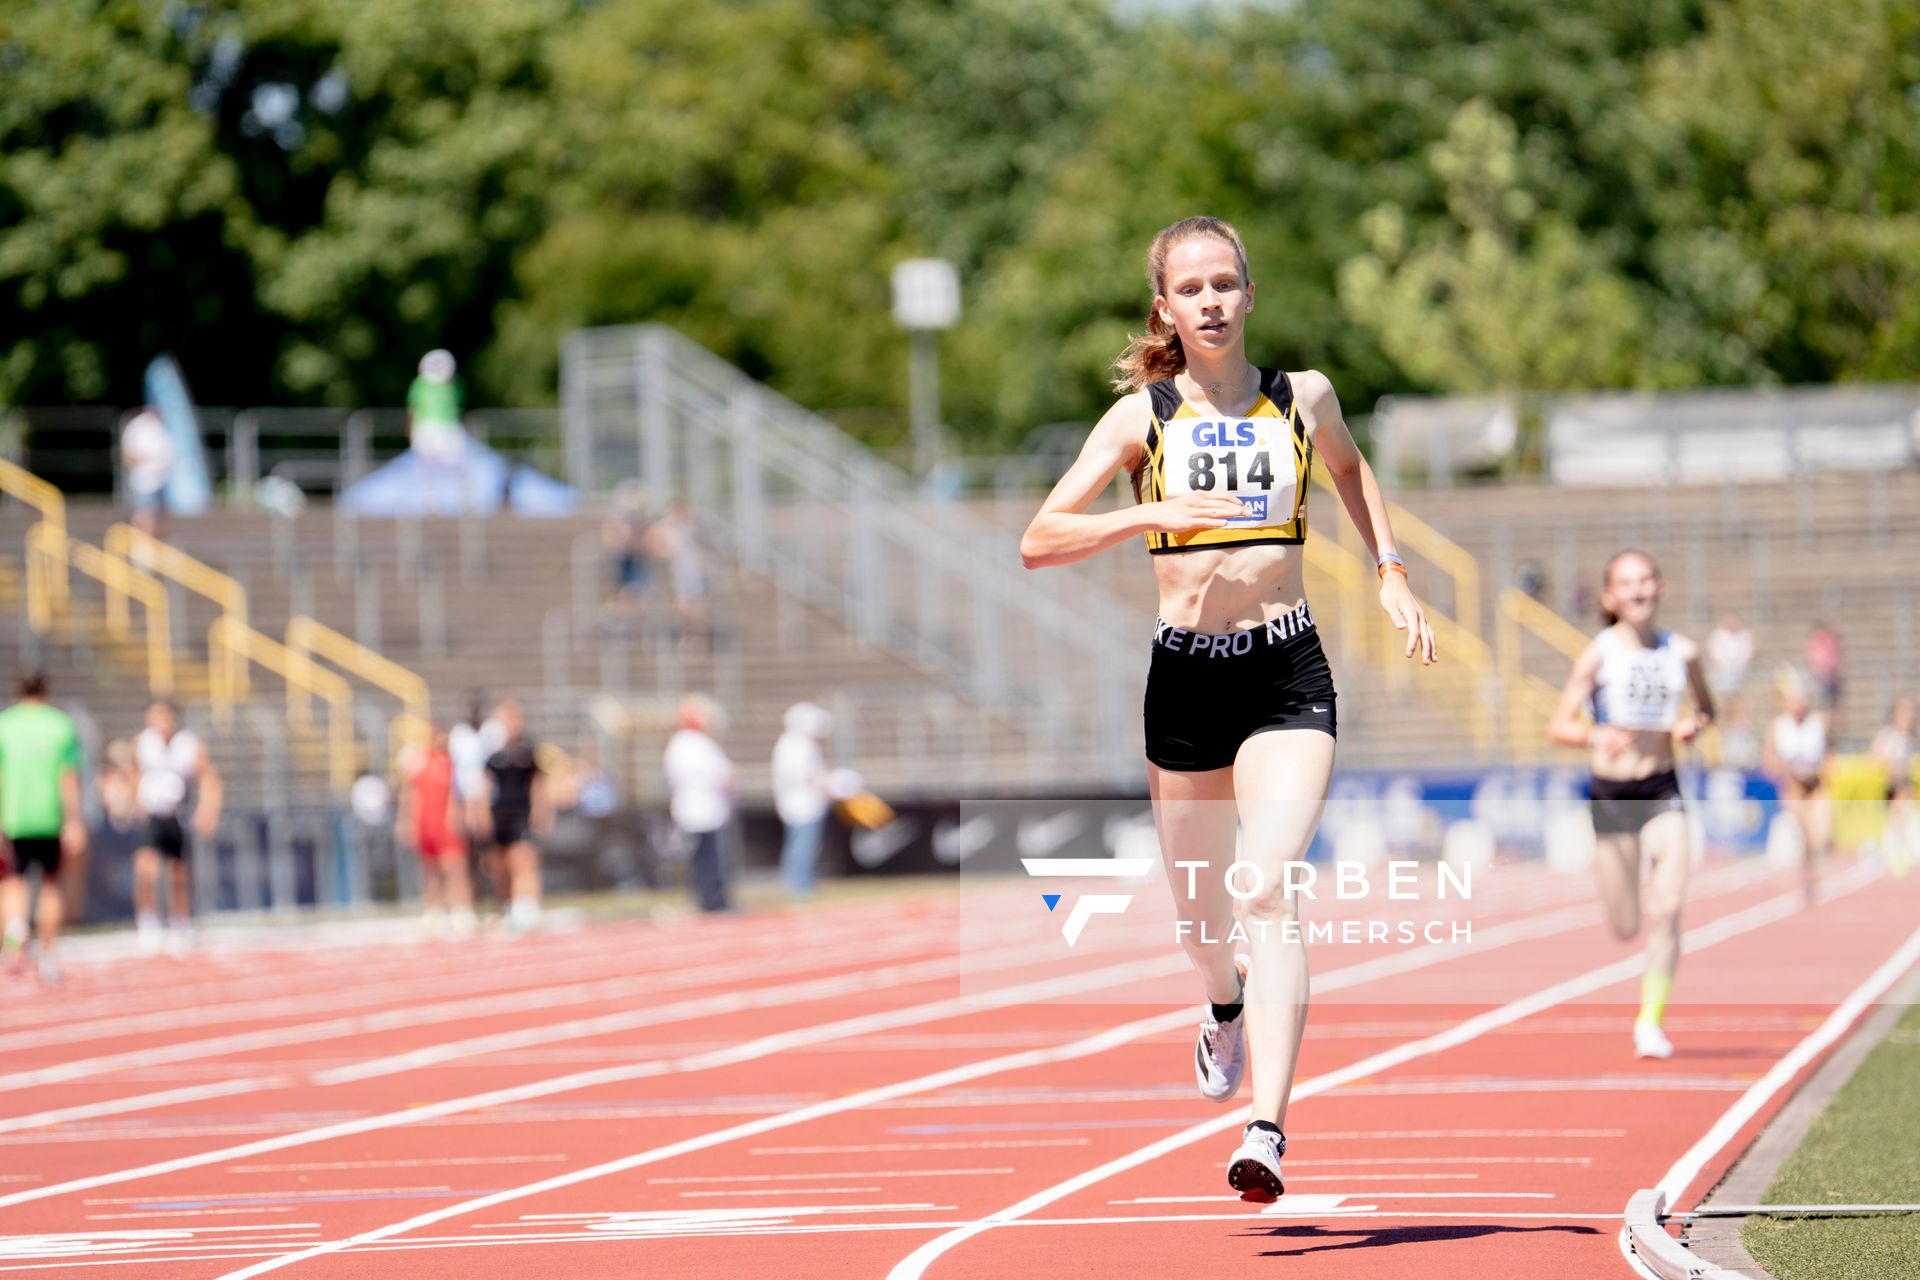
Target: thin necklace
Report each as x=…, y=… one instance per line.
x=1214, y=389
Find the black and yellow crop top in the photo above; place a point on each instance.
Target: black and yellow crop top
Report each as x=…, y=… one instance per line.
x=1230, y=456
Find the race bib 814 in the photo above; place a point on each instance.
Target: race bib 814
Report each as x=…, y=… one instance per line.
x=1233, y=458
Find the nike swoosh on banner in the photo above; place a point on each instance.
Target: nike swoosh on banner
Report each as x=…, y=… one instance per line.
x=871, y=848
x=955, y=842
x=1038, y=837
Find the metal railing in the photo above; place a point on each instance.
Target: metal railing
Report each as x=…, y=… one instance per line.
x=1530, y=700
x=19, y=483
x=795, y=499
x=232, y=644
x=48, y=548
x=307, y=636
x=168, y=561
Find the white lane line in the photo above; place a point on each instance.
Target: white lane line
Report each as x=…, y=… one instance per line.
x=870, y=1148
x=653, y=1015
x=1365, y=971
x=1494, y=937
x=185, y=1253
x=785, y=1191
x=822, y=1177
x=432, y=1162
x=140, y=1102
x=1688, y=1166
x=1454, y=1135
x=747, y=1051
x=487, y=1005
x=1767, y=912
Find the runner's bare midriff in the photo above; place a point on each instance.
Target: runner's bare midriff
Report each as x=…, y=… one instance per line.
x=1650, y=752
x=1228, y=588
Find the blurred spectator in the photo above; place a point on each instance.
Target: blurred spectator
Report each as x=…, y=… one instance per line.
x=520, y=808
x=700, y=787
x=180, y=791
x=1739, y=741
x=471, y=743
x=114, y=783
x=429, y=820
x=800, y=794
x=1825, y=663
x=146, y=451
x=1531, y=579
x=1729, y=656
x=433, y=409
x=1893, y=747
x=594, y=795
x=676, y=540
x=40, y=816
x=624, y=537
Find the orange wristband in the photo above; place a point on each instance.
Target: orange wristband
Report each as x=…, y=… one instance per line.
x=1391, y=567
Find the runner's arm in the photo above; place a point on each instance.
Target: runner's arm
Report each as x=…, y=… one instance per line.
x=1569, y=727
x=1062, y=532
x=1691, y=727
x=206, y=813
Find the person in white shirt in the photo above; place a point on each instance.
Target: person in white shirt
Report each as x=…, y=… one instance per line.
x=801, y=795
x=174, y=776
x=1797, y=750
x=1893, y=747
x=1729, y=655
x=146, y=452
x=700, y=796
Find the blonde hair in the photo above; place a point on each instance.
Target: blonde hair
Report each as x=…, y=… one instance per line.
x=1156, y=354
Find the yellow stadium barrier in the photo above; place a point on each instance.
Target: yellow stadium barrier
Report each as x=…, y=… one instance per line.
x=23, y=485
x=309, y=636
x=231, y=645
x=48, y=546
x=166, y=560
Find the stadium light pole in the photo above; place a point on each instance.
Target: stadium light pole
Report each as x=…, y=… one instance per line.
x=926, y=299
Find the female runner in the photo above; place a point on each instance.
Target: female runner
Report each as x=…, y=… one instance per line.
x=1635, y=677
x=1796, y=759
x=1240, y=700
x=1893, y=747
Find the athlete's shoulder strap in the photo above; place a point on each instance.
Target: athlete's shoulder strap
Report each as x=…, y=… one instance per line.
x=1276, y=386
x=1165, y=398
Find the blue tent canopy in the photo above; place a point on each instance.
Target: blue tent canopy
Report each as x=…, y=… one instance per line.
x=480, y=482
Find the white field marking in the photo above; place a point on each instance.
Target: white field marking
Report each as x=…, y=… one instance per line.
x=146, y=1215
x=747, y=1051
x=140, y=1102
x=1595, y=1084
x=1364, y=971
x=433, y=1162
x=697, y=1007
x=239, y=1252
x=1351, y=1179
x=822, y=1177
x=873, y=1147
x=408, y=989
x=1766, y=912
x=1363, y=1162
x=1402, y=1135
x=785, y=1191
x=1688, y=1166
x=488, y=1005
x=502, y=972
x=310, y=1193
x=1457, y=1195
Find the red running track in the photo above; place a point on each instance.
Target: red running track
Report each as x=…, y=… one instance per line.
x=841, y=1092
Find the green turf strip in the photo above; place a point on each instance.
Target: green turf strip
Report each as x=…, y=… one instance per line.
x=1863, y=1148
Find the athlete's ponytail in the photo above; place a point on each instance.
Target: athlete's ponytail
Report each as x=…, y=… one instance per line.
x=1156, y=355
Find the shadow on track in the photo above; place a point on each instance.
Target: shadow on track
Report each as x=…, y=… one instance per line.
x=1319, y=1239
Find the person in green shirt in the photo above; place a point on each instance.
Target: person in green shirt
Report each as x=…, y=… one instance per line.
x=40, y=815
x=433, y=409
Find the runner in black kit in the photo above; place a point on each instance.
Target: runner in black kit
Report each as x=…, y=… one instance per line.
x=519, y=810
x=1240, y=699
